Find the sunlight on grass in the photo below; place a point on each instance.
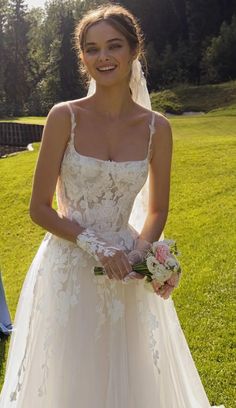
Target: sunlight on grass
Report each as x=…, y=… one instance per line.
x=33, y=120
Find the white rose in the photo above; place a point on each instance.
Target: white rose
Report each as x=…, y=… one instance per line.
x=172, y=264
x=158, y=271
x=161, y=274
x=152, y=263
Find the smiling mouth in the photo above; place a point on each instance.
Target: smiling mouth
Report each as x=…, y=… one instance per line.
x=106, y=70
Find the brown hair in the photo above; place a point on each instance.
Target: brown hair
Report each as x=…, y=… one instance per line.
x=119, y=18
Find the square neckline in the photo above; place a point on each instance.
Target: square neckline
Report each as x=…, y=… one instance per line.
x=83, y=156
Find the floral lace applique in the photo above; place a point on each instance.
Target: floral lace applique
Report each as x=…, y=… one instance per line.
x=98, y=194
x=93, y=244
x=146, y=315
x=64, y=281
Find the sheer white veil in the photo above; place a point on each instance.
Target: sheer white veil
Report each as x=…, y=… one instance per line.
x=140, y=95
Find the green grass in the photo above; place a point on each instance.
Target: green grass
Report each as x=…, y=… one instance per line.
x=200, y=219
x=32, y=120
x=202, y=209
x=195, y=98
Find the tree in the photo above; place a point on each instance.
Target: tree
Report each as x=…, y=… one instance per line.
x=37, y=59
x=68, y=68
x=3, y=8
x=16, y=64
x=219, y=59
x=152, y=64
x=183, y=42
x=61, y=80
x=163, y=22
x=204, y=19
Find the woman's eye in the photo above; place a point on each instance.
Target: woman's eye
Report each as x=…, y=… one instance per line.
x=115, y=46
x=91, y=50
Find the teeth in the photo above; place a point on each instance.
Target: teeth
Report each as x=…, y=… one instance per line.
x=106, y=68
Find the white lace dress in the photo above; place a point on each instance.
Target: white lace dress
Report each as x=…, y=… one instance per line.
x=82, y=341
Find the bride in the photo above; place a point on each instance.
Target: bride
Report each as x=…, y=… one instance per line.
x=86, y=341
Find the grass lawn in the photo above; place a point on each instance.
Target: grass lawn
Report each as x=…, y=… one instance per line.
x=195, y=98
x=32, y=120
x=200, y=219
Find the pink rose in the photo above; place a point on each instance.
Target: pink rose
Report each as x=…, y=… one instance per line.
x=162, y=253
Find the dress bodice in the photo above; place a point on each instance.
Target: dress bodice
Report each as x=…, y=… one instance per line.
x=99, y=193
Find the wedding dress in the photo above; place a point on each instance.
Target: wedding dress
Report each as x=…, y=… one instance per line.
x=81, y=341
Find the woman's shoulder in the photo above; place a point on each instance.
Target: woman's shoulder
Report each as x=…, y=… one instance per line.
x=59, y=113
x=162, y=136
x=161, y=121
x=59, y=120
x=64, y=108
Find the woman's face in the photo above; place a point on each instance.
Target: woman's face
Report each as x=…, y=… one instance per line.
x=105, y=47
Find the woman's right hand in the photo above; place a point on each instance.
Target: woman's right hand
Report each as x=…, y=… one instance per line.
x=116, y=264
x=113, y=259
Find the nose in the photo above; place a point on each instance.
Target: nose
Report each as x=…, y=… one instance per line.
x=103, y=55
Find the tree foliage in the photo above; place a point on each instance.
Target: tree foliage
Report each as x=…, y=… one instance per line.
x=219, y=59
x=189, y=41
x=3, y=12
x=16, y=56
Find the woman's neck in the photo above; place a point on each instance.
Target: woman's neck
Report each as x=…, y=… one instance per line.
x=113, y=102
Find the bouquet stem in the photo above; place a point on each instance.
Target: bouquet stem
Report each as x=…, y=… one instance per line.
x=140, y=268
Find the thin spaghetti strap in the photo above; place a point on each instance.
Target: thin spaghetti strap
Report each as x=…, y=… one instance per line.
x=152, y=131
x=73, y=121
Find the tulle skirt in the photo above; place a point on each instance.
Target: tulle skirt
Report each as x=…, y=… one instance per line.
x=82, y=341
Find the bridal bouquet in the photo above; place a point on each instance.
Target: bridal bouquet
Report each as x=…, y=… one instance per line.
x=159, y=264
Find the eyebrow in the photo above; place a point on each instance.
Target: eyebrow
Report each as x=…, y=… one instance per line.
x=108, y=41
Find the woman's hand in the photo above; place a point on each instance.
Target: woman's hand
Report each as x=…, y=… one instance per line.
x=170, y=284
x=113, y=259
x=116, y=265
x=137, y=255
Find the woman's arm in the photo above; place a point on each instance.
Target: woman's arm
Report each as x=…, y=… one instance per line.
x=158, y=204
x=159, y=181
x=54, y=140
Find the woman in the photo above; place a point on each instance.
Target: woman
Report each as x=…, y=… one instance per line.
x=86, y=341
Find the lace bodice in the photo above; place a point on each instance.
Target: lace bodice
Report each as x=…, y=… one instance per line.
x=99, y=193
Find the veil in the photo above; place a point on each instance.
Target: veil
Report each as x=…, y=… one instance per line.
x=140, y=95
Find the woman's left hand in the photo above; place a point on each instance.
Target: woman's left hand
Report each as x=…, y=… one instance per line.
x=137, y=255
x=134, y=257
